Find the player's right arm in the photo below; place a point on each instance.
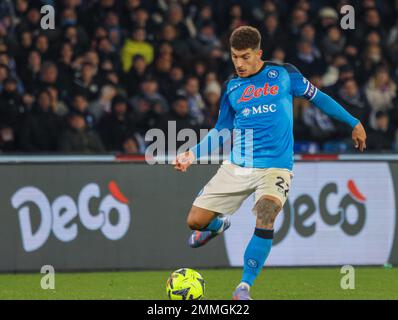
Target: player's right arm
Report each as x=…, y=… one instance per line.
x=225, y=120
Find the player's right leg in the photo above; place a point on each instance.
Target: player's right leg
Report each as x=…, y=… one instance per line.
x=206, y=225
x=222, y=195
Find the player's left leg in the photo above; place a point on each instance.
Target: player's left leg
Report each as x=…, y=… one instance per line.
x=271, y=193
x=259, y=247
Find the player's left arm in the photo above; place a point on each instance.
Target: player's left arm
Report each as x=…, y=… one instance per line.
x=333, y=109
x=301, y=87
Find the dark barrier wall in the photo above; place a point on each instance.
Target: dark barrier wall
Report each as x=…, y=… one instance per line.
x=131, y=216
x=156, y=234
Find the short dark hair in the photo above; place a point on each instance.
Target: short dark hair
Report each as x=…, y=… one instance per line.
x=245, y=37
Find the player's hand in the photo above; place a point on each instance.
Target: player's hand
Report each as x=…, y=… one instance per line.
x=359, y=137
x=183, y=161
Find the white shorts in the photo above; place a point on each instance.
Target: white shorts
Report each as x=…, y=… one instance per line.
x=232, y=184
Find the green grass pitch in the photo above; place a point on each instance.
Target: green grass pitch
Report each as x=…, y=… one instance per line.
x=273, y=283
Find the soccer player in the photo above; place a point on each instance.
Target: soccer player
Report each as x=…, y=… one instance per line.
x=258, y=98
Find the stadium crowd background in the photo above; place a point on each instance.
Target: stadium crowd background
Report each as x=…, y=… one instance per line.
x=112, y=69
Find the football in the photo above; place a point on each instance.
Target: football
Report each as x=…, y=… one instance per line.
x=185, y=284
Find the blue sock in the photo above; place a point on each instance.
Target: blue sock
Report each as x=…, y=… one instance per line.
x=214, y=225
x=256, y=253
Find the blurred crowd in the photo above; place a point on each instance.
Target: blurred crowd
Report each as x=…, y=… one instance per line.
x=113, y=69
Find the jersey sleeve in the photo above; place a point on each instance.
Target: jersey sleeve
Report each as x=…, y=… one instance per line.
x=225, y=120
x=226, y=115
x=299, y=85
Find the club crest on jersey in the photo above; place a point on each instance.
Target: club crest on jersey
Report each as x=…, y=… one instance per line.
x=246, y=112
x=273, y=74
x=251, y=92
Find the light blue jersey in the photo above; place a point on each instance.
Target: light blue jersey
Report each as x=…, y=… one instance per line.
x=260, y=109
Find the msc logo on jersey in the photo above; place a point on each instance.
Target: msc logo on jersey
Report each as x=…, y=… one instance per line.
x=265, y=108
x=273, y=74
x=251, y=92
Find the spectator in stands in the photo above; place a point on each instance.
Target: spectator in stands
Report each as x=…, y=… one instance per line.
x=345, y=72
x=103, y=104
x=371, y=22
x=58, y=106
x=42, y=45
x=392, y=43
x=140, y=18
x=130, y=146
x=381, y=136
x=380, y=92
x=65, y=64
x=150, y=92
x=86, y=83
x=315, y=125
x=21, y=9
x=71, y=35
x=163, y=65
x=4, y=73
x=31, y=22
x=204, y=16
x=180, y=116
x=372, y=58
x=48, y=77
x=11, y=108
x=78, y=137
x=175, y=16
x=114, y=28
x=143, y=115
x=176, y=81
x=306, y=59
x=28, y=101
x=195, y=100
x=207, y=41
x=272, y=35
x=80, y=106
x=24, y=45
x=114, y=127
x=327, y=17
x=136, y=45
x=334, y=42
x=278, y=55
x=354, y=100
x=9, y=61
x=96, y=13
x=30, y=73
x=42, y=127
x=135, y=75
x=183, y=47
x=298, y=18
x=73, y=30
x=308, y=33
x=7, y=139
x=212, y=95
x=332, y=73
x=235, y=18
x=91, y=56
x=107, y=51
